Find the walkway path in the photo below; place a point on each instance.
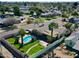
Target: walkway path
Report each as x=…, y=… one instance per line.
x=31, y=48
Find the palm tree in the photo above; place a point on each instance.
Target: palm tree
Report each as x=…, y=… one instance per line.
x=52, y=26
x=21, y=33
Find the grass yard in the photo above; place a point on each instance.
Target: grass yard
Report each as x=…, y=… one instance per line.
x=25, y=48
x=35, y=49
x=43, y=19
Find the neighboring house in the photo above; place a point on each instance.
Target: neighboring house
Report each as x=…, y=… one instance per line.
x=3, y=21
x=24, y=9
x=73, y=41
x=46, y=14
x=74, y=20
x=6, y=15
x=51, y=12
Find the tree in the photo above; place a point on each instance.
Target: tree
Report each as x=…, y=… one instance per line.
x=74, y=26
x=68, y=26
x=75, y=13
x=38, y=11
x=7, y=8
x=16, y=11
x=16, y=39
x=75, y=4
x=52, y=26
x=2, y=9
x=64, y=14
x=21, y=33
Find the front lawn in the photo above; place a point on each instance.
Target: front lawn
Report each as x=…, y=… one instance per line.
x=26, y=47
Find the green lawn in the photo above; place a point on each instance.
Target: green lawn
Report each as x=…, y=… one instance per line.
x=35, y=49
x=27, y=46
x=43, y=19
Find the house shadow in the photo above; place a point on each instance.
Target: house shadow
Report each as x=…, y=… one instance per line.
x=44, y=37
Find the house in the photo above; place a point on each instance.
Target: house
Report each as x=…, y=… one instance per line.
x=46, y=14
x=6, y=15
x=24, y=9
x=4, y=21
x=51, y=12
x=74, y=19
x=73, y=41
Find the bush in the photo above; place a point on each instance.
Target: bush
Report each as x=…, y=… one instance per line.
x=48, y=19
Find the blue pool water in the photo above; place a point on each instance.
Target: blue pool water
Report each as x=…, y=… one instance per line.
x=26, y=39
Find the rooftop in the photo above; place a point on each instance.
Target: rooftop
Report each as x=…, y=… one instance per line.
x=73, y=40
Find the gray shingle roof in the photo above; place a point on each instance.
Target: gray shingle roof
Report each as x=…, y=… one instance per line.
x=74, y=38
x=76, y=19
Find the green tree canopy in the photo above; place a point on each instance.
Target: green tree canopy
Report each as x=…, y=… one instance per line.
x=4, y=8
x=35, y=9
x=22, y=32
x=68, y=25
x=16, y=11
x=53, y=25
x=75, y=13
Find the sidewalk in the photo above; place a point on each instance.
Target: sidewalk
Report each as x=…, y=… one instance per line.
x=5, y=52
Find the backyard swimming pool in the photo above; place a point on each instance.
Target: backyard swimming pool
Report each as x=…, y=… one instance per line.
x=26, y=39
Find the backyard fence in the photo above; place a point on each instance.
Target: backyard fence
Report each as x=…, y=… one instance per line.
x=14, y=51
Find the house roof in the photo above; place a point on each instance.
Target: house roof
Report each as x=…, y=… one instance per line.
x=76, y=19
x=74, y=37
x=76, y=46
x=2, y=20
x=70, y=38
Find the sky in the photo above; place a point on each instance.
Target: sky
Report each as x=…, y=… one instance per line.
x=39, y=0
